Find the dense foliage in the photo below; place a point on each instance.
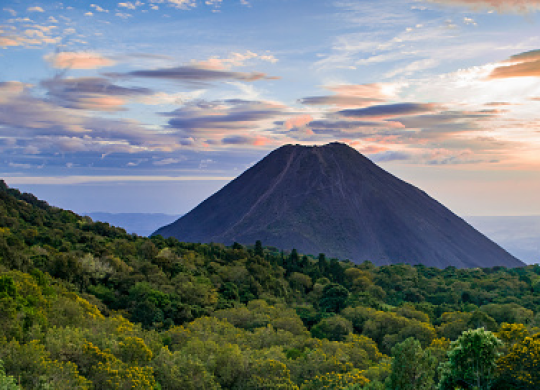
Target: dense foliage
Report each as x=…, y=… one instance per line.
x=84, y=305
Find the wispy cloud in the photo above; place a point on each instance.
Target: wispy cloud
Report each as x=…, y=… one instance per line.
x=91, y=93
x=500, y=5
x=389, y=110
x=195, y=75
x=215, y=120
x=78, y=60
x=35, y=9
x=352, y=95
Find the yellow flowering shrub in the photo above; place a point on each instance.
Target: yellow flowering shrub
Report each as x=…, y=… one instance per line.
x=270, y=374
x=109, y=373
x=32, y=365
x=521, y=366
x=336, y=381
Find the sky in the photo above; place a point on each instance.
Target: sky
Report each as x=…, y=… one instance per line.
x=151, y=106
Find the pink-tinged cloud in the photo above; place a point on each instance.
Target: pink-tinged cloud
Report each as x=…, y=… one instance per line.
x=500, y=5
x=525, y=69
x=91, y=93
x=362, y=147
x=78, y=60
x=41, y=124
x=32, y=36
x=520, y=65
x=350, y=96
x=233, y=60
x=298, y=121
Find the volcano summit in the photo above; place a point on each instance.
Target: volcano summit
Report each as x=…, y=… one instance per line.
x=332, y=199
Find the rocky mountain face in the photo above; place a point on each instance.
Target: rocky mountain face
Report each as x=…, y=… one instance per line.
x=331, y=199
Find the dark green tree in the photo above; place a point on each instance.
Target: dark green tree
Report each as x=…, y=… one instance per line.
x=334, y=298
x=259, y=249
x=335, y=328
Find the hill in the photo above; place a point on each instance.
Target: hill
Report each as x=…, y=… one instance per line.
x=333, y=200
x=84, y=305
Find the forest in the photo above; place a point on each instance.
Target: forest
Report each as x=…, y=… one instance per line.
x=84, y=305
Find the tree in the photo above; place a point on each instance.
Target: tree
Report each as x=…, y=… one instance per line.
x=334, y=298
x=259, y=249
x=412, y=367
x=472, y=361
x=335, y=328
x=7, y=382
x=323, y=263
x=520, y=368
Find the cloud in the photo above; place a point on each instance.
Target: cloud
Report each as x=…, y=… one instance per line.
x=352, y=95
x=178, y=4
x=33, y=35
x=98, y=8
x=35, y=9
x=521, y=65
x=91, y=93
x=298, y=121
x=245, y=140
x=390, y=156
x=11, y=11
x=500, y=5
x=469, y=21
x=345, y=126
x=169, y=161
x=234, y=59
x=413, y=67
x=130, y=5
x=389, y=110
x=78, y=60
x=195, y=75
x=462, y=119
x=19, y=109
x=218, y=116
x=18, y=165
x=40, y=125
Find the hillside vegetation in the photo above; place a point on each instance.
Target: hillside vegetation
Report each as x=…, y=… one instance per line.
x=84, y=305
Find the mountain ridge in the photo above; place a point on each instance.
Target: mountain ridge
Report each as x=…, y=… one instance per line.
x=332, y=199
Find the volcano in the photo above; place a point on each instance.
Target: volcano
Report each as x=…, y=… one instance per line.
x=331, y=199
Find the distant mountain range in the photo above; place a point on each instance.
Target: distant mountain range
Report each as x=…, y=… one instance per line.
x=332, y=199
x=142, y=224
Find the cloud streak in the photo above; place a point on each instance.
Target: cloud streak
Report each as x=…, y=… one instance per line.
x=195, y=75
x=350, y=96
x=91, y=93
x=500, y=5
x=389, y=110
x=520, y=65
x=78, y=60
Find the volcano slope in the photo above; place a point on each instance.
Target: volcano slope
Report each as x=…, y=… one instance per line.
x=331, y=199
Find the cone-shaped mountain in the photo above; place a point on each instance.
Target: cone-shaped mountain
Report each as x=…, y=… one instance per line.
x=331, y=199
